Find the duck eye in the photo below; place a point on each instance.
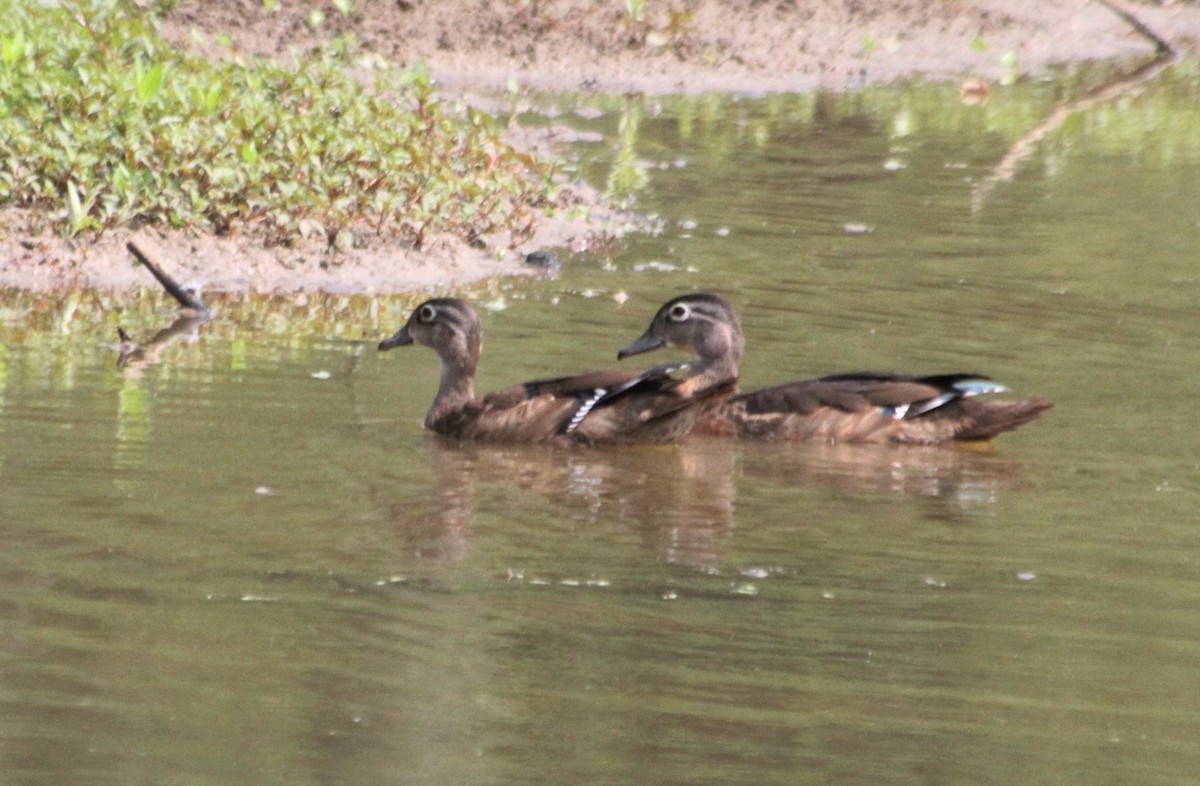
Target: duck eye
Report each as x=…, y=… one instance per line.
x=679, y=312
x=427, y=313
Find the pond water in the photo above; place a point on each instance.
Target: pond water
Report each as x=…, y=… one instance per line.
x=241, y=561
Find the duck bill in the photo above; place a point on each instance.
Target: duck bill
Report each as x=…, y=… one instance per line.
x=646, y=343
x=401, y=339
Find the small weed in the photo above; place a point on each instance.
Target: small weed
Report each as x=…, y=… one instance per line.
x=1008, y=61
x=636, y=10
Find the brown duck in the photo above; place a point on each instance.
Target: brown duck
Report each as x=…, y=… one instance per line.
x=598, y=407
x=864, y=406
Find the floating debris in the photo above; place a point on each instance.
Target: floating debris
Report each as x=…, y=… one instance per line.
x=660, y=267
x=321, y=375
x=544, y=259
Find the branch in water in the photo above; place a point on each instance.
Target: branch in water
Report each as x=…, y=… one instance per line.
x=1164, y=56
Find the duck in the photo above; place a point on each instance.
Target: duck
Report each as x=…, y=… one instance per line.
x=863, y=406
x=598, y=407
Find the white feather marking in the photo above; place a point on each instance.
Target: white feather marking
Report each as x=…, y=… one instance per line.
x=928, y=405
x=977, y=387
x=585, y=406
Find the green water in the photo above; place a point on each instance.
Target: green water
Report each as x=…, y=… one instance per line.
x=245, y=563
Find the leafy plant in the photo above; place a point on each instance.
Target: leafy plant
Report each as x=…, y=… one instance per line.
x=635, y=18
x=103, y=124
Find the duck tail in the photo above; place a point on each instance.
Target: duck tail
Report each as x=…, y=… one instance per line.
x=990, y=418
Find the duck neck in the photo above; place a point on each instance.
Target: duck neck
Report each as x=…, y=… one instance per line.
x=717, y=356
x=456, y=390
x=711, y=371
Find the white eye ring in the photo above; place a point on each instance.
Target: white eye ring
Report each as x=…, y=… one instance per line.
x=679, y=312
x=427, y=313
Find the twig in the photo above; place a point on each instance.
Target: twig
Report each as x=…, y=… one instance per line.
x=148, y=255
x=1161, y=46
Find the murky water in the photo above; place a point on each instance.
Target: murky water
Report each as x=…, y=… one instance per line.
x=242, y=562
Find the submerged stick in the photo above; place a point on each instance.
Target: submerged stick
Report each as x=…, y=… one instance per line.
x=149, y=256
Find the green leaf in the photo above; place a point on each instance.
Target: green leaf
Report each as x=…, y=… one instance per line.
x=78, y=212
x=12, y=47
x=74, y=206
x=213, y=96
x=150, y=82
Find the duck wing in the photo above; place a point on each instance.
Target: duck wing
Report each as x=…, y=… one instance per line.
x=901, y=396
x=873, y=406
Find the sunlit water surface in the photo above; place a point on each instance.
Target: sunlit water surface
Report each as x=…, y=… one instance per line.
x=242, y=561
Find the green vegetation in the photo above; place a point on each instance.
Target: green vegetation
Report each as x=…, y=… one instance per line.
x=103, y=124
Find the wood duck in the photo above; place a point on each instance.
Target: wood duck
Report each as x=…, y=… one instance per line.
x=866, y=406
x=597, y=407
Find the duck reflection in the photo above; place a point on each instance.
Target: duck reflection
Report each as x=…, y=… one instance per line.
x=961, y=478
x=681, y=498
